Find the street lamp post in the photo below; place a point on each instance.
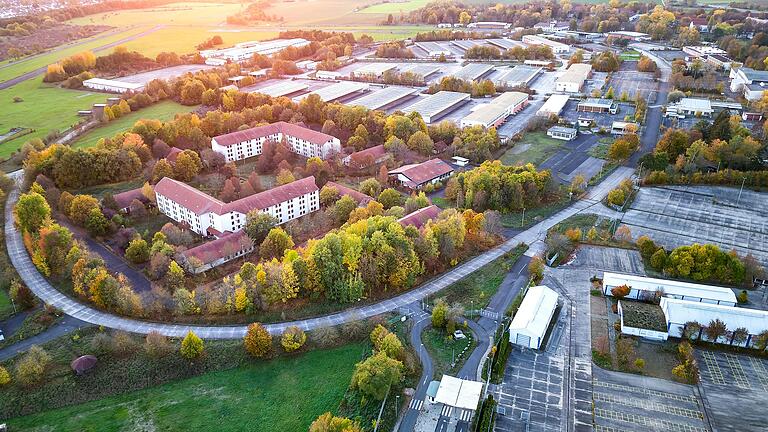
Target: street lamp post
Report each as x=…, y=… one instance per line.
x=397, y=403
x=522, y=222
x=741, y=190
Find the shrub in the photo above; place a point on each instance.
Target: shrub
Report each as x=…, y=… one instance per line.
x=742, y=297
x=616, y=197
x=646, y=246
x=191, y=347
x=573, y=234
x=293, y=338
x=30, y=369
x=536, y=269
x=5, y=377
x=17, y=99
x=392, y=347
x=659, y=260
x=380, y=332
x=123, y=344
x=621, y=291
x=157, y=345
x=257, y=340
x=639, y=364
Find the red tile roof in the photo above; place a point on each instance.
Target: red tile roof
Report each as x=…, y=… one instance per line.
x=420, y=217
x=201, y=203
x=285, y=128
x=226, y=245
x=361, y=198
x=173, y=154
x=367, y=157
x=423, y=172
x=124, y=199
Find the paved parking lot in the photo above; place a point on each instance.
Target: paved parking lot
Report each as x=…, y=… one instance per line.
x=634, y=83
x=626, y=402
x=573, y=158
x=735, y=389
x=544, y=84
x=680, y=215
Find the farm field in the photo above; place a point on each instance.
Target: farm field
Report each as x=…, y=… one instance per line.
x=12, y=70
x=184, y=40
x=172, y=14
x=165, y=110
x=289, y=391
x=534, y=148
x=45, y=108
x=395, y=7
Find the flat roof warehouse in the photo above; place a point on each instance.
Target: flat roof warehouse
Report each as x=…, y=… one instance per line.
x=439, y=103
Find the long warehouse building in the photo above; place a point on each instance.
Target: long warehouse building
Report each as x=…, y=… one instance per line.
x=381, y=98
x=495, y=113
x=518, y=76
x=283, y=88
x=553, y=106
x=433, y=107
x=336, y=91
x=473, y=71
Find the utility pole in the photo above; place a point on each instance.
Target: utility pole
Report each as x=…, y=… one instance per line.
x=522, y=222
x=741, y=190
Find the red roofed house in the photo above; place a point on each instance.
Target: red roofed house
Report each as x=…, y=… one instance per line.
x=302, y=141
x=420, y=217
x=361, y=198
x=173, y=154
x=206, y=215
x=365, y=158
x=416, y=176
x=124, y=199
x=213, y=253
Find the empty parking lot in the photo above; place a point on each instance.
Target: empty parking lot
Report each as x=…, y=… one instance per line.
x=735, y=388
x=680, y=215
x=633, y=83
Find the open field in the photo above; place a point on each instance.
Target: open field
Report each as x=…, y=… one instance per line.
x=184, y=39
x=181, y=13
x=395, y=7
x=165, y=110
x=443, y=350
x=45, y=108
x=285, y=394
x=6, y=308
x=534, y=148
x=12, y=70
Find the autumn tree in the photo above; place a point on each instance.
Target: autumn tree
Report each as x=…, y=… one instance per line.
x=137, y=251
x=31, y=211
x=330, y=423
x=31, y=367
x=174, y=278
x=370, y=187
x=80, y=208
x=157, y=345
x=275, y=244
x=439, y=313
x=715, y=330
x=191, y=346
x=257, y=340
x=187, y=166
x=162, y=169
x=374, y=376
x=390, y=197
x=96, y=223
x=258, y=225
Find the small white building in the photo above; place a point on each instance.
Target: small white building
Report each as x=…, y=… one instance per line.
x=113, y=86
x=459, y=393
x=327, y=75
x=557, y=47
x=460, y=161
x=562, y=133
x=302, y=141
x=553, y=106
x=494, y=114
x=753, y=83
x=642, y=287
x=623, y=128
x=690, y=107
x=529, y=326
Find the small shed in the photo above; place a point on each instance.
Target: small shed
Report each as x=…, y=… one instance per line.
x=432, y=391
x=459, y=393
x=529, y=326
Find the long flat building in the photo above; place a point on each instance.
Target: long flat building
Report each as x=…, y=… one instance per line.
x=553, y=106
x=381, y=98
x=467, y=44
x=249, y=142
x=505, y=44
x=336, y=91
x=518, y=76
x=374, y=69
x=437, y=105
x=424, y=70
x=245, y=50
x=284, y=88
x=473, y=71
x=557, y=47
x=495, y=113
x=434, y=49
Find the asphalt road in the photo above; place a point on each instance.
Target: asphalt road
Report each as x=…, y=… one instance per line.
x=39, y=71
x=653, y=118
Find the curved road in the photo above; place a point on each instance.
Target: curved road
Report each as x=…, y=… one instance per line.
x=39, y=71
x=533, y=236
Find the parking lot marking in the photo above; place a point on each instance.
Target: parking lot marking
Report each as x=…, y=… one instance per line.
x=620, y=387
x=601, y=428
x=762, y=373
x=738, y=371
x=657, y=424
x=446, y=411
x=715, y=374
x=647, y=405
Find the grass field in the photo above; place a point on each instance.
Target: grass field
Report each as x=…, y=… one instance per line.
x=12, y=70
x=174, y=14
x=286, y=394
x=395, y=7
x=6, y=308
x=534, y=148
x=45, y=108
x=443, y=350
x=164, y=110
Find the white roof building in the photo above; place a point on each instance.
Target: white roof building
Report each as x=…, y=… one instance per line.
x=336, y=91
x=246, y=50
x=750, y=81
x=557, y=47
x=553, y=106
x=495, y=113
x=573, y=79
x=645, y=286
x=438, y=104
x=112, y=85
x=459, y=393
x=679, y=312
x=529, y=326
x=374, y=69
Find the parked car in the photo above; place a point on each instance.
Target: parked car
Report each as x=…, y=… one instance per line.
x=2, y=338
x=458, y=334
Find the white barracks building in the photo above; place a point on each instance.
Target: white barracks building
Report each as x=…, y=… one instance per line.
x=208, y=216
x=302, y=141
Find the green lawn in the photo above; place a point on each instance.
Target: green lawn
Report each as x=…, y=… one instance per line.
x=476, y=290
x=164, y=110
x=443, y=350
x=6, y=308
x=284, y=394
x=45, y=108
x=520, y=219
x=535, y=148
x=14, y=69
x=629, y=55
x=600, y=150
